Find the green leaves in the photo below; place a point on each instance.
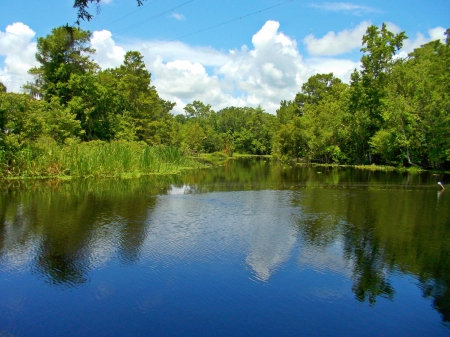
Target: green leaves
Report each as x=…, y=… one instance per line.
x=62, y=53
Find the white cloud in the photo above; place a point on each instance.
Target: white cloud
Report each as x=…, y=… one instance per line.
x=340, y=68
x=107, y=54
x=345, y=7
x=268, y=71
x=392, y=27
x=178, y=16
x=19, y=52
x=437, y=34
x=336, y=43
x=176, y=50
x=412, y=43
x=271, y=71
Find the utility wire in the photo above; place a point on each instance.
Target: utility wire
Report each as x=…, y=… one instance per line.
x=152, y=18
x=125, y=16
x=218, y=25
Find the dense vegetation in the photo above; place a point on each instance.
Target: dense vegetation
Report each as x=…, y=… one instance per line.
x=394, y=112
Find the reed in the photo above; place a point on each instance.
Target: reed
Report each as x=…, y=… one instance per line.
x=96, y=158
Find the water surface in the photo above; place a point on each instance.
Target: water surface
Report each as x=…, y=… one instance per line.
x=251, y=248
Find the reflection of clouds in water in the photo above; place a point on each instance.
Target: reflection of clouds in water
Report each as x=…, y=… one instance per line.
x=325, y=260
x=269, y=250
x=180, y=190
x=210, y=227
x=103, y=243
x=199, y=226
x=272, y=238
x=19, y=256
x=174, y=190
x=19, y=246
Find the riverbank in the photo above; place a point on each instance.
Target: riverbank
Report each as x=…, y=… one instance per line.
x=94, y=159
x=373, y=167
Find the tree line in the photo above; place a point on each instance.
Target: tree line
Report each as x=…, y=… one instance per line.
x=394, y=111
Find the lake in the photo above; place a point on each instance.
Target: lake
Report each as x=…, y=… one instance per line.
x=250, y=248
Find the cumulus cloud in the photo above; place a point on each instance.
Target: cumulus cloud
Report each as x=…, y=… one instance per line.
x=420, y=39
x=339, y=67
x=19, y=55
x=336, y=43
x=345, y=7
x=269, y=70
x=437, y=33
x=264, y=74
x=107, y=54
x=175, y=50
x=273, y=70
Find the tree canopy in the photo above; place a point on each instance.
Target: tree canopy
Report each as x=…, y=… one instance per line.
x=395, y=111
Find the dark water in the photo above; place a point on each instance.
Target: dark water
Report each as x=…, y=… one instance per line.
x=247, y=249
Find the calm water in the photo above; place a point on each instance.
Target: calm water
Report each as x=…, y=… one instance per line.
x=247, y=249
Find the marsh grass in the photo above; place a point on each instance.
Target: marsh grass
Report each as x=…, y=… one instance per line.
x=96, y=159
x=372, y=167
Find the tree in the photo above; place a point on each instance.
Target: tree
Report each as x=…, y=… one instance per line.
x=198, y=109
x=316, y=132
x=83, y=5
x=150, y=114
x=416, y=109
x=287, y=111
x=318, y=87
x=369, y=86
x=21, y=121
x=2, y=87
x=62, y=54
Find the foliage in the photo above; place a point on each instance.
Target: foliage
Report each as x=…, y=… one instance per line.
x=83, y=5
x=394, y=111
x=63, y=53
x=45, y=158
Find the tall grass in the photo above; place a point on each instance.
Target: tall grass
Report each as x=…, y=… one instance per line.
x=96, y=158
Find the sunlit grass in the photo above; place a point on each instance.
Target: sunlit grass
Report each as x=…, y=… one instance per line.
x=94, y=159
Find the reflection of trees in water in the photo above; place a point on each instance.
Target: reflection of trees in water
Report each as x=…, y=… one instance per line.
x=73, y=225
x=383, y=231
x=61, y=266
x=439, y=291
x=370, y=272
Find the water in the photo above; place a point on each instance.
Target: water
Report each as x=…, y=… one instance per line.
x=251, y=248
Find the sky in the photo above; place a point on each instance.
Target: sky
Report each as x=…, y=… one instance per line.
x=223, y=53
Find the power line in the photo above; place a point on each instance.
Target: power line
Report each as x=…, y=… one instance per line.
x=152, y=18
x=220, y=24
x=125, y=16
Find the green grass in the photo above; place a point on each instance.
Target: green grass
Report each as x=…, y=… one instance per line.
x=373, y=167
x=94, y=159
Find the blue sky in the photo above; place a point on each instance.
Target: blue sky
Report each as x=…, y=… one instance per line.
x=221, y=52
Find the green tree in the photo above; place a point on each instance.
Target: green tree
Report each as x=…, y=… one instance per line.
x=62, y=54
x=21, y=122
x=317, y=88
x=138, y=100
x=416, y=109
x=287, y=111
x=256, y=137
x=368, y=87
x=316, y=133
x=198, y=109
